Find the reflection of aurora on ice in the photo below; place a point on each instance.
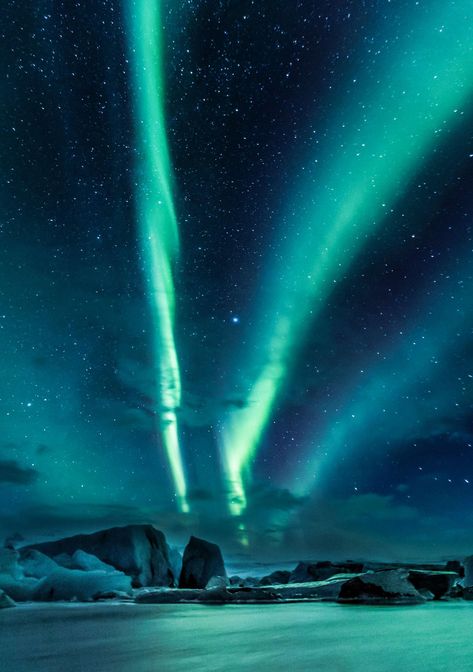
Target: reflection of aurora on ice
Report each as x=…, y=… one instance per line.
x=427, y=637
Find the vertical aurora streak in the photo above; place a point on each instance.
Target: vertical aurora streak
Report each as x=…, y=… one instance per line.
x=385, y=133
x=157, y=219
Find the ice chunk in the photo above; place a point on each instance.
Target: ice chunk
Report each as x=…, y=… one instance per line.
x=36, y=564
x=89, y=562
x=75, y=584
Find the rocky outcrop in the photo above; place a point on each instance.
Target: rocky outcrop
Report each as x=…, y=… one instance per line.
x=5, y=601
x=437, y=583
x=384, y=587
x=328, y=590
x=246, y=582
x=468, y=565
x=456, y=592
x=77, y=585
x=201, y=562
x=320, y=571
x=113, y=595
x=140, y=551
x=455, y=566
x=279, y=577
x=167, y=596
x=213, y=596
x=240, y=595
x=321, y=591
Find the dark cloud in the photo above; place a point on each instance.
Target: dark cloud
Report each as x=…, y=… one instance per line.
x=369, y=527
x=54, y=521
x=270, y=498
x=12, y=472
x=374, y=527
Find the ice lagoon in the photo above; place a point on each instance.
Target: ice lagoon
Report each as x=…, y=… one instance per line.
x=299, y=637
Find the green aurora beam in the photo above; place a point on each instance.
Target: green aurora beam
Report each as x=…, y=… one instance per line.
x=385, y=132
x=157, y=219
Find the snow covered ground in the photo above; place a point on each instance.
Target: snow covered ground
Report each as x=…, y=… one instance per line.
x=302, y=637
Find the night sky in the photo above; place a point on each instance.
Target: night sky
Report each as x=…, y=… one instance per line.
x=236, y=273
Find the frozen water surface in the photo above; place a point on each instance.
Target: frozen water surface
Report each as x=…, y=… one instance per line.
x=300, y=637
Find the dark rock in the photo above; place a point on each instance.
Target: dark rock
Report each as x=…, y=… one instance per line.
x=220, y=595
x=202, y=560
x=245, y=582
x=468, y=565
x=455, y=566
x=468, y=593
x=167, y=596
x=438, y=583
x=253, y=595
x=216, y=596
x=112, y=595
x=302, y=573
x=456, y=592
x=279, y=577
x=140, y=551
x=328, y=590
x=383, y=587
x=320, y=571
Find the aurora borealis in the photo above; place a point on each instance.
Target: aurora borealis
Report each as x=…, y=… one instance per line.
x=341, y=208
x=158, y=230
x=237, y=270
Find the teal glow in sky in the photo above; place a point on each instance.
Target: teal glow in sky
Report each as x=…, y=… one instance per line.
x=235, y=272
x=416, y=388
x=392, y=124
